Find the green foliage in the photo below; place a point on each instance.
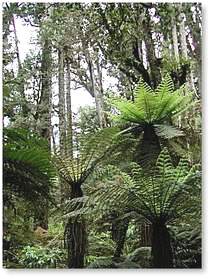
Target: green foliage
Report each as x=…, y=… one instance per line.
x=141, y=256
x=88, y=120
x=117, y=39
x=40, y=257
x=55, y=234
x=102, y=262
x=99, y=242
x=153, y=107
x=161, y=195
x=187, y=242
x=171, y=64
x=86, y=153
x=109, y=262
x=28, y=171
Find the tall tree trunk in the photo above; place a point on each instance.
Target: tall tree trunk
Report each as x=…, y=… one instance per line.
x=69, y=111
x=62, y=122
x=97, y=95
x=46, y=93
x=150, y=47
x=175, y=38
x=183, y=41
x=76, y=236
x=44, y=113
x=16, y=43
x=44, y=117
x=162, y=256
x=25, y=109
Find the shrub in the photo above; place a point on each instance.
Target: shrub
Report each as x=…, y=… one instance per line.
x=41, y=257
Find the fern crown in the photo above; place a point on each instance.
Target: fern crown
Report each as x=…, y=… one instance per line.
x=161, y=196
x=153, y=107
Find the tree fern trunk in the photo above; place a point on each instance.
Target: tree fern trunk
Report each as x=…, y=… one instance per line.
x=76, y=242
x=76, y=237
x=123, y=227
x=149, y=148
x=162, y=256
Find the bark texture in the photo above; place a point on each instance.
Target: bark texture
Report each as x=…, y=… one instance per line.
x=162, y=256
x=69, y=110
x=62, y=122
x=76, y=237
x=148, y=149
x=175, y=38
x=97, y=93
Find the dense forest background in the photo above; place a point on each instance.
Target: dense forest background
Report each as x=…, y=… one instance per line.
x=117, y=183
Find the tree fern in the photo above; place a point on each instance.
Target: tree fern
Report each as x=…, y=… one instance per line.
x=150, y=115
x=27, y=165
x=153, y=106
x=87, y=152
x=159, y=198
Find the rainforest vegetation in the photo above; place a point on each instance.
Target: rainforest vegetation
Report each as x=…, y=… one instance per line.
x=116, y=182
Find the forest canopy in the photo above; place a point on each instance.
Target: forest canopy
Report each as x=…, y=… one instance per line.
x=102, y=135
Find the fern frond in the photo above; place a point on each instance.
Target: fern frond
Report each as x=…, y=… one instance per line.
x=167, y=131
x=87, y=152
x=129, y=112
x=153, y=107
x=166, y=87
x=27, y=165
x=159, y=195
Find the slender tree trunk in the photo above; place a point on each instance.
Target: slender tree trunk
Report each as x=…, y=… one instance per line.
x=76, y=236
x=64, y=187
x=53, y=140
x=162, y=256
x=62, y=122
x=44, y=117
x=25, y=109
x=16, y=43
x=183, y=41
x=151, y=57
x=175, y=38
x=69, y=111
x=97, y=95
x=46, y=93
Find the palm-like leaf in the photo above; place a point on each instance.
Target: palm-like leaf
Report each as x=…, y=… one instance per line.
x=151, y=107
x=150, y=115
x=161, y=195
x=154, y=108
x=87, y=152
x=167, y=131
x=27, y=165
